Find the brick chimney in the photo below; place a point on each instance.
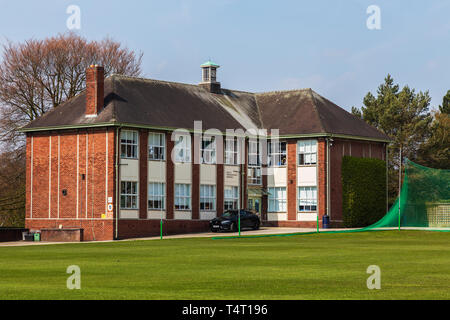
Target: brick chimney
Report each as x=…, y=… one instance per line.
x=95, y=77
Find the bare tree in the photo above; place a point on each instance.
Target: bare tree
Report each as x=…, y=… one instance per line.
x=12, y=188
x=38, y=75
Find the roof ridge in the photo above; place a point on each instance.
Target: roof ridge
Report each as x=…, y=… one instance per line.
x=311, y=92
x=171, y=82
x=282, y=91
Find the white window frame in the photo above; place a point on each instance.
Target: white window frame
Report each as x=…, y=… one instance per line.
x=208, y=150
x=276, y=156
x=182, y=197
x=254, y=172
x=309, y=200
x=156, y=193
x=232, y=154
x=125, y=194
x=156, y=150
x=231, y=198
x=307, y=152
x=183, y=149
x=131, y=143
x=207, y=197
x=277, y=199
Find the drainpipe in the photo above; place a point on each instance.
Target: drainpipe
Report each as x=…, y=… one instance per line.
x=117, y=183
x=328, y=178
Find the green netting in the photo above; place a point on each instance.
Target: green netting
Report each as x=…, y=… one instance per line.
x=424, y=204
x=424, y=200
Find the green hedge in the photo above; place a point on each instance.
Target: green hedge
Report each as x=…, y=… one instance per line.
x=363, y=191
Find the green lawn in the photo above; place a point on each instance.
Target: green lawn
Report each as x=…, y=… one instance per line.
x=414, y=265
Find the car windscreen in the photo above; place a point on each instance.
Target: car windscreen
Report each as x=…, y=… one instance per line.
x=228, y=214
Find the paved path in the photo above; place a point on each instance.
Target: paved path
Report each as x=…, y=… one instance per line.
x=262, y=231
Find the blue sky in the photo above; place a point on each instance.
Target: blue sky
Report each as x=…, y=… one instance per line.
x=264, y=45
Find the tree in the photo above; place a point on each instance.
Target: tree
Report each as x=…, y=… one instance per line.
x=12, y=188
x=445, y=107
x=435, y=152
x=38, y=75
x=404, y=116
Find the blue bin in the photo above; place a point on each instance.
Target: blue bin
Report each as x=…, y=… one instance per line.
x=325, y=222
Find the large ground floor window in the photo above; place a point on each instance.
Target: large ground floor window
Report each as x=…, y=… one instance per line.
x=207, y=197
x=182, y=197
x=156, y=196
x=231, y=198
x=277, y=199
x=128, y=195
x=307, y=199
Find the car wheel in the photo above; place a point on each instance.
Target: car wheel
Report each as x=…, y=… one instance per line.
x=232, y=227
x=256, y=226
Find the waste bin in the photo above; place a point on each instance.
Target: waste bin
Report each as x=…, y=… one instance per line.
x=326, y=222
x=29, y=237
x=37, y=237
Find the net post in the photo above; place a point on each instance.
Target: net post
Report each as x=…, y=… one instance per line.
x=161, y=229
x=239, y=223
x=400, y=189
x=318, y=223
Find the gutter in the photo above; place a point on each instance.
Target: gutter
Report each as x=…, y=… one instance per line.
x=143, y=126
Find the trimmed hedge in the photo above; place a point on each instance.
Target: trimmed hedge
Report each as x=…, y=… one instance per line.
x=363, y=191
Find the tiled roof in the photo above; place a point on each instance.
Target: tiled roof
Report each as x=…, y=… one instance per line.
x=154, y=103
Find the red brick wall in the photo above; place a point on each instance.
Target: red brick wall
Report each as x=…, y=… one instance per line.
x=322, y=178
x=143, y=173
x=151, y=228
x=265, y=199
x=170, y=178
x=55, y=169
x=244, y=183
x=292, y=179
x=338, y=149
x=195, y=186
x=94, y=90
x=220, y=188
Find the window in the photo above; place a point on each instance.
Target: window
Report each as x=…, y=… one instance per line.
x=128, y=144
x=182, y=196
x=307, y=152
x=277, y=199
x=232, y=151
x=307, y=198
x=205, y=74
x=254, y=163
x=128, y=195
x=156, y=196
x=156, y=146
x=231, y=195
x=208, y=150
x=277, y=154
x=207, y=197
x=183, y=148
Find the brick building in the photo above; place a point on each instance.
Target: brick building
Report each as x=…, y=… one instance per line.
x=113, y=161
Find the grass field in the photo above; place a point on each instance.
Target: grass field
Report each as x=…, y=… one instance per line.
x=414, y=265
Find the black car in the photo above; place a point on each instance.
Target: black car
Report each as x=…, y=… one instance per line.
x=229, y=221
